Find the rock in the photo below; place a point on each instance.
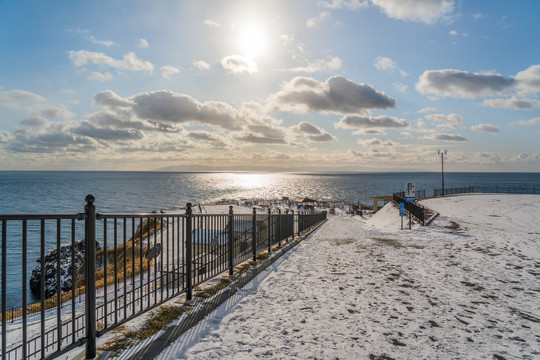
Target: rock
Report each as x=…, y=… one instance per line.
x=65, y=269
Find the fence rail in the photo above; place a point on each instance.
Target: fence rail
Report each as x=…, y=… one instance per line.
x=486, y=189
x=146, y=259
x=416, y=210
x=419, y=212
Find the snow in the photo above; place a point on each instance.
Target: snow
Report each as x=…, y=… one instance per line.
x=467, y=286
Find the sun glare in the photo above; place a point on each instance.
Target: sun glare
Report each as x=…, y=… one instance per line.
x=251, y=41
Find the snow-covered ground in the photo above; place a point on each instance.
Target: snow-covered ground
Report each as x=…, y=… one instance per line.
x=467, y=286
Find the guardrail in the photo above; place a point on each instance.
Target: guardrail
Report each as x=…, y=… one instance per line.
x=416, y=210
x=493, y=189
x=147, y=259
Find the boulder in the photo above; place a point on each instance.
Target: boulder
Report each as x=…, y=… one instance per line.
x=51, y=269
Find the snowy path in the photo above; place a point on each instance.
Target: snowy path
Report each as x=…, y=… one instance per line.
x=462, y=288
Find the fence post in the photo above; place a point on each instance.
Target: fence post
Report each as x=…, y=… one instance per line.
x=189, y=257
x=269, y=229
x=254, y=235
x=287, y=226
x=279, y=226
x=231, y=241
x=90, y=278
x=292, y=225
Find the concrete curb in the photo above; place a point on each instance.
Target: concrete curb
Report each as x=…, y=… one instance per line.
x=172, y=333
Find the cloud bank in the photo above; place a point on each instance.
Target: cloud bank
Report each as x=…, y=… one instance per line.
x=336, y=95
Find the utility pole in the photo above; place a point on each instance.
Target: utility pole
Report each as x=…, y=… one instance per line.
x=442, y=153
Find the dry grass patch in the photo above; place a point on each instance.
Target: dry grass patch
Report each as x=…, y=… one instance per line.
x=159, y=320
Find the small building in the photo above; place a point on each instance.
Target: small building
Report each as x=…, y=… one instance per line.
x=307, y=204
x=377, y=199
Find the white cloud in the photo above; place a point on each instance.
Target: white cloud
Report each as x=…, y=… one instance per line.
x=237, y=64
x=513, y=103
x=446, y=137
x=77, y=30
x=381, y=121
x=215, y=140
x=388, y=65
x=50, y=138
x=426, y=11
x=142, y=44
x=426, y=110
x=94, y=132
x=201, y=65
x=317, y=20
x=106, y=43
x=455, y=33
x=462, y=84
x=286, y=39
x=311, y=132
x=399, y=86
x=53, y=112
x=448, y=121
x=366, y=131
x=350, y=4
x=485, y=128
x=212, y=23
x=95, y=75
x=385, y=63
x=129, y=61
x=532, y=122
x=5, y=137
x=376, y=143
x=13, y=98
x=35, y=121
x=170, y=107
x=167, y=71
x=333, y=63
x=477, y=16
x=529, y=79
x=262, y=133
x=336, y=95
x=108, y=98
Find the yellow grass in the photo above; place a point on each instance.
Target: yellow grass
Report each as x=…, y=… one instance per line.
x=148, y=228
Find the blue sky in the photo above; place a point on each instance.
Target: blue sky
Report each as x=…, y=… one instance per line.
x=330, y=85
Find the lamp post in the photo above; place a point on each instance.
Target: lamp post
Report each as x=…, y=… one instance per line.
x=442, y=153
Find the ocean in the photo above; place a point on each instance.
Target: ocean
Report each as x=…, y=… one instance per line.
x=25, y=192
x=64, y=191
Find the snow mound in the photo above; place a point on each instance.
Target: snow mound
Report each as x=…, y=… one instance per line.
x=388, y=219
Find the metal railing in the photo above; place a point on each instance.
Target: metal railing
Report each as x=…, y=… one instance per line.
x=416, y=210
x=306, y=221
x=492, y=189
x=419, y=212
x=147, y=259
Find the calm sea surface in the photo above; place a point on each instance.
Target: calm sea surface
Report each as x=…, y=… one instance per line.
x=49, y=192
x=64, y=192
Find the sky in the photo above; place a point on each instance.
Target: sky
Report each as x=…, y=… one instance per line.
x=295, y=86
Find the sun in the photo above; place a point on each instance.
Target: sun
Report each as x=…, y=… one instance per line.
x=252, y=40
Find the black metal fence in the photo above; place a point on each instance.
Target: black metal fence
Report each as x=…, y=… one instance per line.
x=416, y=210
x=419, y=212
x=306, y=221
x=146, y=259
x=486, y=189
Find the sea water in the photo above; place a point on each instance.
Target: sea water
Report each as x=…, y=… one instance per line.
x=64, y=192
